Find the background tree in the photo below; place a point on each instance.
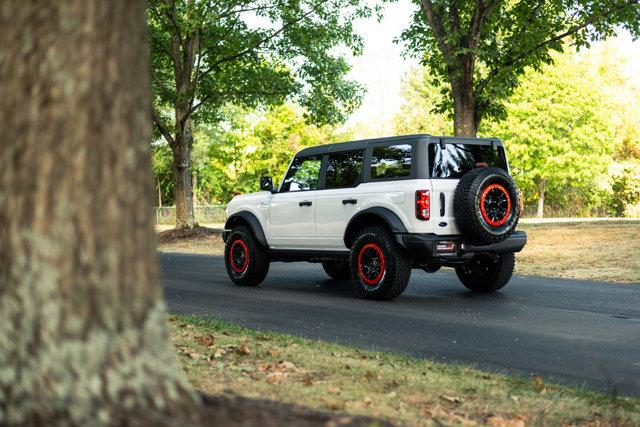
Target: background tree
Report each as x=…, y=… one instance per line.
x=478, y=50
x=82, y=322
x=559, y=132
x=208, y=53
x=416, y=113
x=571, y=128
x=231, y=155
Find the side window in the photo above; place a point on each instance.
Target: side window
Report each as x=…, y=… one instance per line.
x=344, y=169
x=303, y=174
x=391, y=161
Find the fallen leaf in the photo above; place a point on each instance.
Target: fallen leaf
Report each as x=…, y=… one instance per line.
x=276, y=377
x=286, y=366
x=503, y=422
x=271, y=352
x=206, y=340
x=334, y=390
x=244, y=348
x=307, y=382
x=452, y=399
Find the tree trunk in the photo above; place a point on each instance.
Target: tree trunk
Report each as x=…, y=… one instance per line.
x=82, y=323
x=183, y=192
x=541, y=188
x=464, y=106
x=194, y=187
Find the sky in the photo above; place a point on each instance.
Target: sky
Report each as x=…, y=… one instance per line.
x=381, y=68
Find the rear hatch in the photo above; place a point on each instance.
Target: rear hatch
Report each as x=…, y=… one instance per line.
x=449, y=159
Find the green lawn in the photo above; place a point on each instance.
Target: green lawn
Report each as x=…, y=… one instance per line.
x=221, y=358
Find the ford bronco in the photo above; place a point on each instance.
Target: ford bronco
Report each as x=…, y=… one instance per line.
x=373, y=210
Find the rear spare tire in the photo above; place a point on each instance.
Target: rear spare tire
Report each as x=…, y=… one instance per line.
x=486, y=205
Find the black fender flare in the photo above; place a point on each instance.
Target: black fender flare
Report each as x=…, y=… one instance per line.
x=254, y=224
x=391, y=219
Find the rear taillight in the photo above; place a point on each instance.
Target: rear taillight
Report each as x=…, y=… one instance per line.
x=423, y=205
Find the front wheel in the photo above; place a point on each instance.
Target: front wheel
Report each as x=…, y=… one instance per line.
x=487, y=274
x=246, y=260
x=380, y=268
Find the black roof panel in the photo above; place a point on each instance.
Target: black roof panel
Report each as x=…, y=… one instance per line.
x=361, y=144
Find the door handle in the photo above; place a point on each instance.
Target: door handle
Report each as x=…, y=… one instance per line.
x=349, y=201
x=305, y=203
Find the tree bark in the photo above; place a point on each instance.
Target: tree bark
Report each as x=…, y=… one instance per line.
x=183, y=192
x=194, y=187
x=464, y=109
x=541, y=188
x=82, y=323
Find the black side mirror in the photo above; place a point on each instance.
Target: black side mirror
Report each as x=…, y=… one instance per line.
x=266, y=183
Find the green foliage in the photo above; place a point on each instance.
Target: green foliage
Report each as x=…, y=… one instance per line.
x=558, y=131
x=626, y=189
x=566, y=126
x=417, y=113
x=230, y=157
x=206, y=54
x=492, y=43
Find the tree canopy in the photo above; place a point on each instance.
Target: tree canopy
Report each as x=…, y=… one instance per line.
x=566, y=125
x=478, y=50
x=206, y=54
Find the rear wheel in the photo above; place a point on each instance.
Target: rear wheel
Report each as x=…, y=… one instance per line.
x=380, y=268
x=246, y=260
x=338, y=270
x=487, y=274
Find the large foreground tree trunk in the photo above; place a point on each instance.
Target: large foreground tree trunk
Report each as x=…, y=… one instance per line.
x=82, y=323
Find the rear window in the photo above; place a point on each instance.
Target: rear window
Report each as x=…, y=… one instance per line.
x=455, y=160
x=391, y=161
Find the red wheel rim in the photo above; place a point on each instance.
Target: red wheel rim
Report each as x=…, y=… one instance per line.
x=495, y=205
x=371, y=264
x=239, y=256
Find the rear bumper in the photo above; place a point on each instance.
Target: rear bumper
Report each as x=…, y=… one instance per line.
x=424, y=247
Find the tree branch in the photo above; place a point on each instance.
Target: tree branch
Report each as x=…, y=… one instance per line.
x=511, y=61
x=227, y=93
x=435, y=21
x=164, y=130
x=261, y=41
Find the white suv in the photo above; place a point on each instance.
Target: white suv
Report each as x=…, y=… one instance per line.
x=373, y=210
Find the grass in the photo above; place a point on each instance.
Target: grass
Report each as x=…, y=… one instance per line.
x=606, y=251
x=220, y=358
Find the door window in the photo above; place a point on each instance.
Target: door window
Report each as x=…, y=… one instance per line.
x=344, y=169
x=303, y=174
x=391, y=161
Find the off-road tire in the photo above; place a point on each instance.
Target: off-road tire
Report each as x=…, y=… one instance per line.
x=494, y=274
x=338, y=270
x=257, y=264
x=469, y=208
x=396, y=263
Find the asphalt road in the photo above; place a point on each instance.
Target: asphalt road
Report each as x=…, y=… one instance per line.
x=574, y=332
